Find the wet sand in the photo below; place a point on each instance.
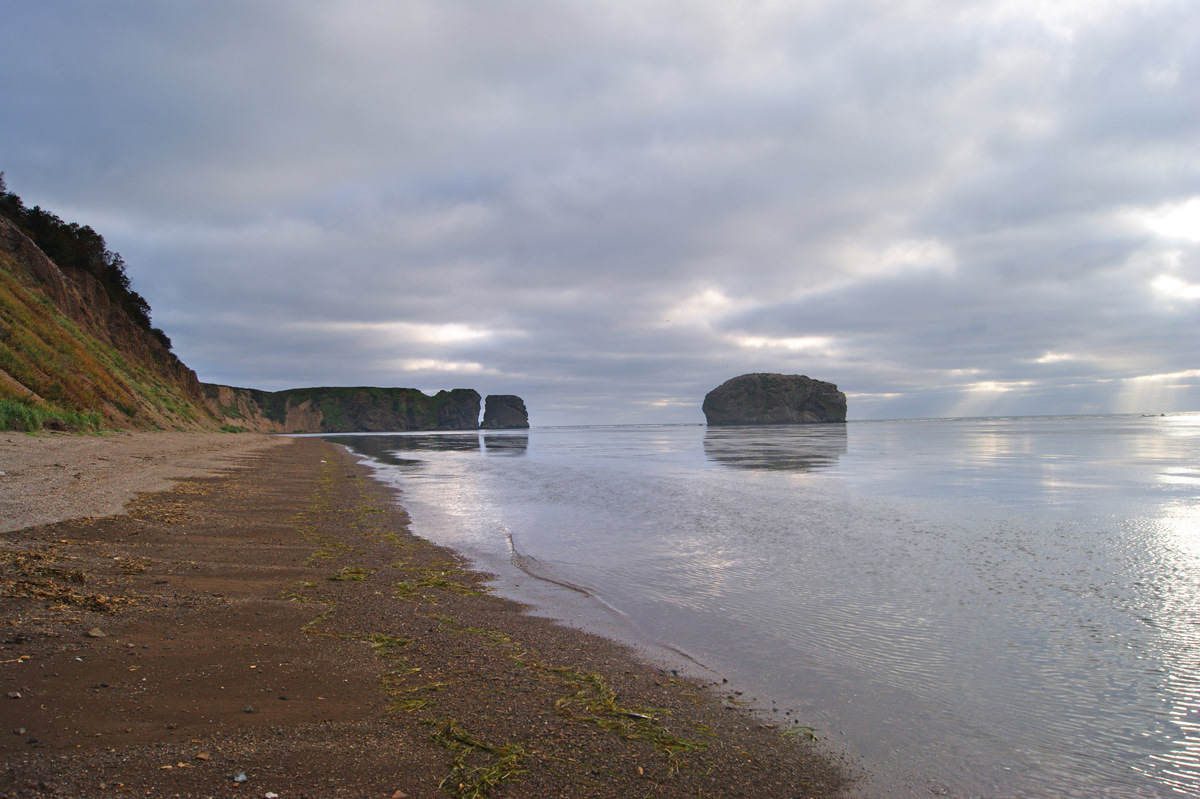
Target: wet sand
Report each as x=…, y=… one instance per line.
x=277, y=621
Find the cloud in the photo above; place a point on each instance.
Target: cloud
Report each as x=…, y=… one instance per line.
x=1174, y=287
x=611, y=208
x=1178, y=220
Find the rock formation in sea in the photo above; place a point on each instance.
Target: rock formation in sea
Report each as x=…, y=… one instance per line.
x=774, y=399
x=357, y=409
x=504, y=412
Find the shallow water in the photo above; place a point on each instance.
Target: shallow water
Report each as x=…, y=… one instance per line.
x=980, y=607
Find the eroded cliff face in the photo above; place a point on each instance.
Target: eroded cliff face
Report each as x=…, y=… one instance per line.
x=63, y=341
x=504, y=412
x=358, y=409
x=761, y=398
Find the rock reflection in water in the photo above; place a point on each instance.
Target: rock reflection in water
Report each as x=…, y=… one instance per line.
x=506, y=443
x=389, y=448
x=797, y=448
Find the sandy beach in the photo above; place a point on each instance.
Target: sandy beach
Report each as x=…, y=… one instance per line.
x=236, y=615
x=54, y=478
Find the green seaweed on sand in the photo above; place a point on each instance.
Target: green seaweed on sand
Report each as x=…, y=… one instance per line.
x=437, y=578
x=350, y=574
x=411, y=705
x=447, y=575
x=801, y=733
x=591, y=699
x=594, y=696
x=393, y=682
x=410, y=699
x=491, y=637
x=310, y=628
x=469, y=778
x=382, y=642
x=321, y=506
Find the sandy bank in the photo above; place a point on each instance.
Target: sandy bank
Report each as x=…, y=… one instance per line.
x=53, y=478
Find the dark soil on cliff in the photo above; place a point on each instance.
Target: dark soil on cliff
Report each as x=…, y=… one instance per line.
x=278, y=629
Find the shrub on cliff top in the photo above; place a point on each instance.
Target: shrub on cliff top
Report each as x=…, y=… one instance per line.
x=74, y=246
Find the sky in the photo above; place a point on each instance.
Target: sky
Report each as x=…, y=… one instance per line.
x=609, y=208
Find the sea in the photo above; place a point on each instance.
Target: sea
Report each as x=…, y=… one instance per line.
x=999, y=607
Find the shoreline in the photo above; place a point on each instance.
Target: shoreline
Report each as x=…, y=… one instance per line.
x=279, y=620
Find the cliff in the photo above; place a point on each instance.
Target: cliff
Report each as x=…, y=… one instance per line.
x=359, y=409
x=71, y=357
x=756, y=399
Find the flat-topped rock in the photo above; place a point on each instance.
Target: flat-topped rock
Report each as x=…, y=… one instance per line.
x=504, y=412
x=762, y=398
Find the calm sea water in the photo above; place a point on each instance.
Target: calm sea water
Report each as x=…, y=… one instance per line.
x=978, y=607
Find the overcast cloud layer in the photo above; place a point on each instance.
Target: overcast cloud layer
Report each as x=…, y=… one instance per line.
x=609, y=208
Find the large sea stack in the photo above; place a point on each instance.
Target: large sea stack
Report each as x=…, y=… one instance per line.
x=774, y=399
x=504, y=412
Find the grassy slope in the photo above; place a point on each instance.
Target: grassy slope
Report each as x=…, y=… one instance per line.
x=56, y=375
